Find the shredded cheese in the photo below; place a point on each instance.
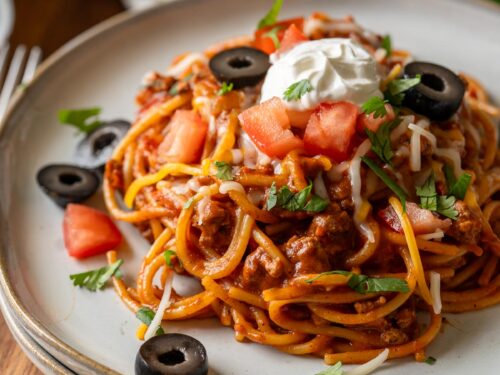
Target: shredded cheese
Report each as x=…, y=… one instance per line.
x=164, y=304
x=337, y=171
x=437, y=235
x=415, y=151
x=188, y=60
x=412, y=246
x=319, y=186
x=436, y=291
x=227, y=186
x=370, y=366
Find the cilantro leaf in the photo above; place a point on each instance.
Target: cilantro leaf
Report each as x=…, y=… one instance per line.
x=298, y=89
x=96, y=279
x=397, y=87
x=459, y=187
x=272, y=16
x=376, y=106
x=224, y=171
x=381, y=140
x=391, y=184
x=272, y=198
x=298, y=201
x=188, y=203
x=273, y=34
x=316, y=204
x=85, y=119
x=336, y=369
x=387, y=44
x=446, y=207
x=225, y=88
x=428, y=195
x=146, y=315
x=174, y=90
x=364, y=284
x=168, y=254
x=430, y=360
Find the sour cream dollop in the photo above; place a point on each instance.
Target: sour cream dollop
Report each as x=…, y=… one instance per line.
x=337, y=68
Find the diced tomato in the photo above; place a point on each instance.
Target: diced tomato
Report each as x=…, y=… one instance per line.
x=422, y=220
x=265, y=43
x=370, y=122
x=330, y=130
x=88, y=231
x=291, y=37
x=185, y=138
x=299, y=119
x=268, y=126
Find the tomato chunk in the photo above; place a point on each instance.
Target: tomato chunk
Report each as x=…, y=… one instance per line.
x=185, y=138
x=266, y=43
x=268, y=126
x=370, y=122
x=88, y=231
x=330, y=130
x=291, y=37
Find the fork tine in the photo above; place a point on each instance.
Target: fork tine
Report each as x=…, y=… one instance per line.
x=4, y=51
x=33, y=61
x=11, y=79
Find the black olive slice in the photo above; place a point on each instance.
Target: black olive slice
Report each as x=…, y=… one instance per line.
x=439, y=93
x=96, y=148
x=241, y=66
x=172, y=354
x=65, y=183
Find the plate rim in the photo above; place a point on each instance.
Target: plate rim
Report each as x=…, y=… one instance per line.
x=31, y=324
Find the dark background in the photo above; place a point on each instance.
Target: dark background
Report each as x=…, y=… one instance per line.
x=48, y=24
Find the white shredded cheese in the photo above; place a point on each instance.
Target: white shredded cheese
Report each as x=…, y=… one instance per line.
x=319, y=186
x=453, y=156
x=437, y=235
x=164, y=304
x=380, y=54
x=370, y=366
x=236, y=155
x=402, y=127
x=415, y=151
x=436, y=291
x=194, y=184
x=227, y=186
x=186, y=62
x=337, y=171
x=255, y=196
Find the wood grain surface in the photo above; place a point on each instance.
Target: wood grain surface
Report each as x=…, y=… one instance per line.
x=48, y=24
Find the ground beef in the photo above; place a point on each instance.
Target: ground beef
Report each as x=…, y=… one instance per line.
x=213, y=219
x=114, y=174
x=341, y=192
x=307, y=255
x=468, y=226
x=261, y=271
x=406, y=319
x=366, y=306
x=394, y=336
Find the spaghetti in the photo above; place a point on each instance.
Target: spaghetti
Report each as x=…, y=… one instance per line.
x=266, y=271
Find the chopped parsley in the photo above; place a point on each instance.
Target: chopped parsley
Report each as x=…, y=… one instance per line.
x=174, y=90
x=224, y=171
x=336, y=369
x=430, y=360
x=376, y=106
x=85, y=120
x=146, y=315
x=381, y=140
x=396, y=89
x=298, y=89
x=96, y=279
x=225, y=88
x=387, y=45
x=290, y=201
x=364, y=284
x=430, y=200
x=458, y=188
x=272, y=16
x=168, y=254
x=391, y=184
x=273, y=34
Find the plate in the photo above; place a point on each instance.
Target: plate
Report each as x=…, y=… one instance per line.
x=94, y=332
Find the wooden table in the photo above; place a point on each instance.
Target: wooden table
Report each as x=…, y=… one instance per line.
x=48, y=24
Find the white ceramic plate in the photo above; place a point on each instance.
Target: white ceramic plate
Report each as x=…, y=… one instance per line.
x=94, y=332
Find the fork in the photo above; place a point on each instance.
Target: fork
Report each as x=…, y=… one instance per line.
x=14, y=72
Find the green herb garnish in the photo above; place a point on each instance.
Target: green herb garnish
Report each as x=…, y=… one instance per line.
x=446, y=206
x=290, y=201
x=168, y=254
x=273, y=34
x=174, y=90
x=146, y=315
x=224, y=171
x=459, y=187
x=336, y=369
x=381, y=140
x=430, y=200
x=296, y=90
x=386, y=179
x=376, y=106
x=396, y=89
x=430, y=360
x=96, y=279
x=387, y=45
x=225, y=88
x=364, y=284
x=85, y=119
x=272, y=16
